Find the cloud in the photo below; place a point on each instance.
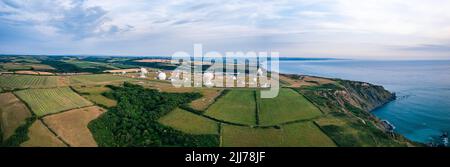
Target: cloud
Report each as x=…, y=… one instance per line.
x=343, y=28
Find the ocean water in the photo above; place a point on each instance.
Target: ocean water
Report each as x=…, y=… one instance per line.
x=422, y=110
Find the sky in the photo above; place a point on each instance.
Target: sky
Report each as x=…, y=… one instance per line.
x=360, y=29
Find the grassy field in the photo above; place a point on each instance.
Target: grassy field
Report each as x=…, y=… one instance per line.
x=189, y=123
x=349, y=132
x=48, y=101
x=13, y=113
x=238, y=136
x=41, y=136
x=15, y=66
x=71, y=126
x=237, y=106
x=305, y=134
x=209, y=96
x=94, y=94
x=27, y=81
x=98, y=79
x=287, y=106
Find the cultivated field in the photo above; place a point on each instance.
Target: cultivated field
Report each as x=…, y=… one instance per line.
x=98, y=79
x=287, y=106
x=71, y=126
x=237, y=106
x=13, y=113
x=27, y=81
x=48, y=101
x=41, y=136
x=94, y=94
x=209, y=96
x=189, y=123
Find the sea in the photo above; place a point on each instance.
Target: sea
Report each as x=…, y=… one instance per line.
x=421, y=111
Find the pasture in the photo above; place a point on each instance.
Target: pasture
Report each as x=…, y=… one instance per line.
x=305, y=134
x=189, y=123
x=13, y=113
x=239, y=136
x=286, y=107
x=71, y=126
x=27, y=81
x=41, y=136
x=237, y=106
x=94, y=94
x=48, y=101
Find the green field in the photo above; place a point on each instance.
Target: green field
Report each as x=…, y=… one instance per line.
x=98, y=79
x=48, y=101
x=240, y=136
x=27, y=81
x=94, y=94
x=189, y=123
x=305, y=134
x=237, y=106
x=287, y=106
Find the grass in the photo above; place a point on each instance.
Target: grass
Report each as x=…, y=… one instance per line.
x=27, y=81
x=189, y=123
x=239, y=136
x=209, y=96
x=237, y=106
x=13, y=114
x=287, y=106
x=94, y=94
x=305, y=134
x=48, y=101
x=348, y=132
x=98, y=79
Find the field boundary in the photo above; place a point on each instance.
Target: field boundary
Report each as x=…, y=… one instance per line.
x=334, y=141
x=54, y=133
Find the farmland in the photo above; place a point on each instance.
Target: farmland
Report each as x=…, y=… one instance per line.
x=13, y=114
x=71, y=126
x=48, y=101
x=27, y=81
x=287, y=106
x=189, y=123
x=237, y=106
x=101, y=79
x=305, y=134
x=240, y=136
x=94, y=94
x=41, y=136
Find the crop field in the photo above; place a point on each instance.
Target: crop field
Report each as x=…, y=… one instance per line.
x=15, y=66
x=48, y=101
x=71, y=126
x=41, y=136
x=237, y=106
x=287, y=106
x=98, y=79
x=189, y=123
x=239, y=136
x=27, y=81
x=13, y=113
x=94, y=94
x=305, y=134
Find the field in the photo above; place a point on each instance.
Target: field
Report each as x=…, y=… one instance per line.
x=27, y=81
x=305, y=134
x=100, y=79
x=71, y=126
x=209, y=96
x=239, y=136
x=287, y=106
x=94, y=94
x=15, y=66
x=48, y=101
x=40, y=136
x=13, y=114
x=237, y=106
x=189, y=123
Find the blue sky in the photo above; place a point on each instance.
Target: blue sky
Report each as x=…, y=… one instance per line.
x=364, y=29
